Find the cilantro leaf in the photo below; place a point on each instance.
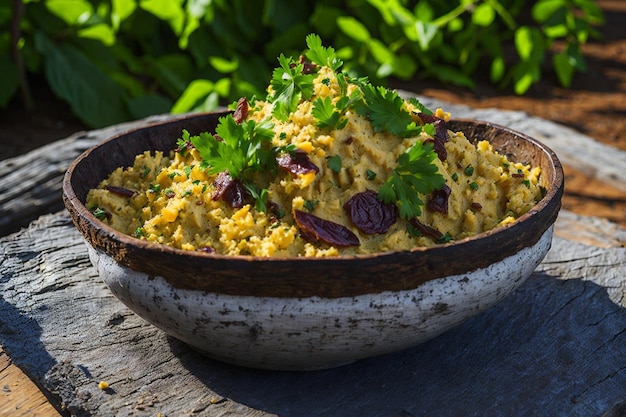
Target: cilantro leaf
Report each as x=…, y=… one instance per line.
x=320, y=55
x=289, y=86
x=415, y=175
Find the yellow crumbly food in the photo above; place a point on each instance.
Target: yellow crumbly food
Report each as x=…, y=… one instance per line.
x=172, y=201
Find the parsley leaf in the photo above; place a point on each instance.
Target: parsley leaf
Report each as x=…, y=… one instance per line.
x=320, y=55
x=384, y=108
x=242, y=148
x=334, y=163
x=419, y=106
x=290, y=85
x=326, y=114
x=414, y=175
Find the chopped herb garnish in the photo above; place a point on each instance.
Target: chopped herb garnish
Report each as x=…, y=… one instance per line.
x=370, y=175
x=334, y=163
x=527, y=183
x=455, y=177
x=172, y=175
x=154, y=188
x=445, y=238
x=310, y=205
x=474, y=186
x=187, y=170
x=139, y=232
x=99, y=213
x=415, y=174
x=469, y=170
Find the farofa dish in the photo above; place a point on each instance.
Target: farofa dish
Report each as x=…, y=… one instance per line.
x=325, y=165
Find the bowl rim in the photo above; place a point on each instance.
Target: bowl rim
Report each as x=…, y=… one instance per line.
x=103, y=237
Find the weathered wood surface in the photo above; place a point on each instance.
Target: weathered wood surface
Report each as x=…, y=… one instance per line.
x=19, y=396
x=30, y=184
x=556, y=346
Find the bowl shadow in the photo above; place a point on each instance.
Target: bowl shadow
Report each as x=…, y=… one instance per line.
x=554, y=346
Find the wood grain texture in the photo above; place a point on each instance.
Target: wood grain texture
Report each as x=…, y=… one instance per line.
x=556, y=346
x=19, y=396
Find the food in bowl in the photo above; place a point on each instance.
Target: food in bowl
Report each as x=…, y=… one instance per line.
x=325, y=165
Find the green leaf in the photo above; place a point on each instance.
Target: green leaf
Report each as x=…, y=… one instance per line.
x=383, y=108
x=545, y=9
x=224, y=65
x=523, y=42
x=414, y=177
x=425, y=33
x=381, y=53
x=170, y=11
x=450, y=74
x=353, y=28
x=325, y=113
x=320, y=55
x=497, y=69
x=94, y=97
x=290, y=85
x=172, y=72
x=101, y=32
x=72, y=12
x=334, y=163
x=120, y=11
x=564, y=68
x=483, y=15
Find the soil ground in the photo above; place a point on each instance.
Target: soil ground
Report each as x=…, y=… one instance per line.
x=595, y=105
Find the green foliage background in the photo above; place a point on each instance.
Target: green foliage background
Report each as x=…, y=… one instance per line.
x=118, y=60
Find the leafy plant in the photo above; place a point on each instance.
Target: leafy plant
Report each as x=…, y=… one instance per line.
x=117, y=60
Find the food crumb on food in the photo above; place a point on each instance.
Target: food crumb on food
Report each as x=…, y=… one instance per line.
x=103, y=385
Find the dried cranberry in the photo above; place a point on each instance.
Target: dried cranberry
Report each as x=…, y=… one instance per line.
x=296, y=163
x=228, y=189
x=441, y=134
x=241, y=111
x=426, y=230
x=369, y=214
x=476, y=206
x=439, y=200
x=307, y=67
x=316, y=229
x=121, y=191
x=517, y=175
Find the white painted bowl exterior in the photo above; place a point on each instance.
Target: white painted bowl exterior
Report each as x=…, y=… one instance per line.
x=315, y=333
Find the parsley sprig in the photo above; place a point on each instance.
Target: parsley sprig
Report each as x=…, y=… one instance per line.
x=239, y=148
x=415, y=174
x=289, y=85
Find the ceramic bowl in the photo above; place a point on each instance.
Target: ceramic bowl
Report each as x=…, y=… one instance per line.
x=303, y=313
